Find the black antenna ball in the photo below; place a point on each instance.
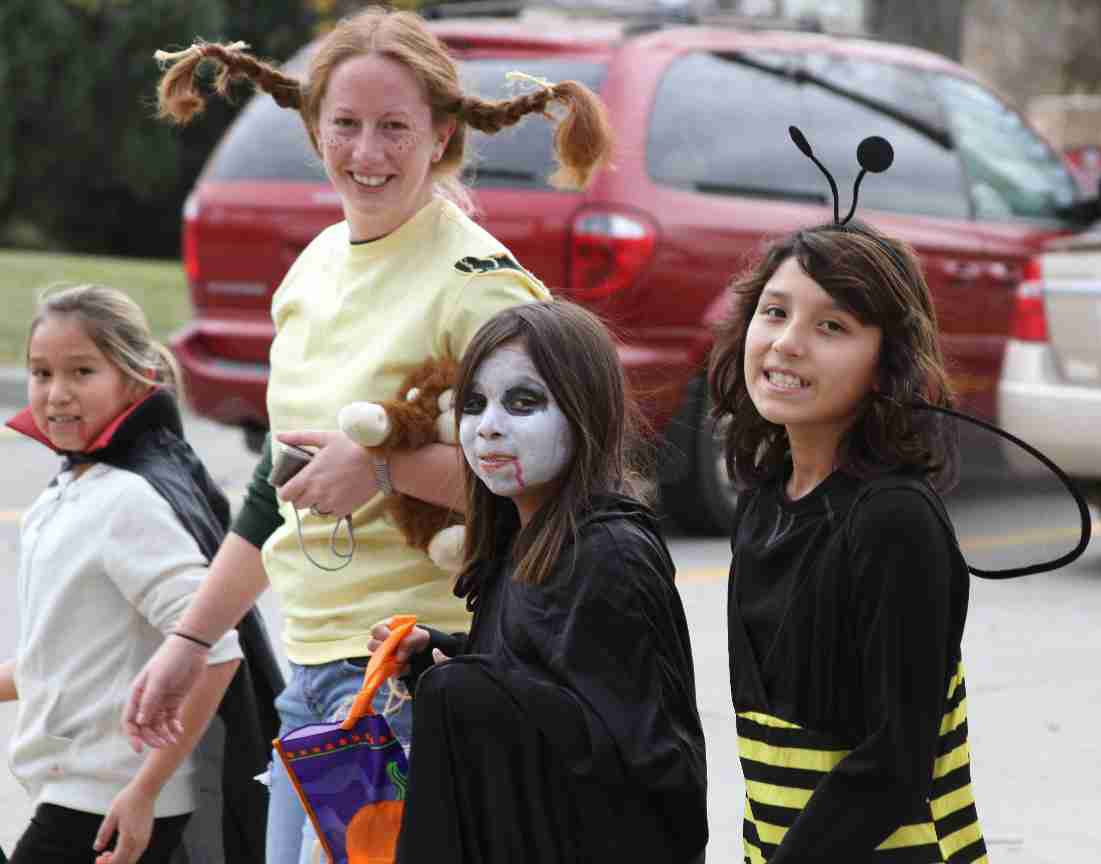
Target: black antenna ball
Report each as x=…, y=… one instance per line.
x=801, y=142
x=874, y=154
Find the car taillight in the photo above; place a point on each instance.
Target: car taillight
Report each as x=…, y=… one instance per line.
x=189, y=241
x=608, y=250
x=1028, y=323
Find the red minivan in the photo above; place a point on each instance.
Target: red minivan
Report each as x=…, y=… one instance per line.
x=704, y=172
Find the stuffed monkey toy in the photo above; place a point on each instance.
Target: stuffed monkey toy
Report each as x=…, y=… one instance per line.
x=422, y=414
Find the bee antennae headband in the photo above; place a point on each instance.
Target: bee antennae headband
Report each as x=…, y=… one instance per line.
x=874, y=154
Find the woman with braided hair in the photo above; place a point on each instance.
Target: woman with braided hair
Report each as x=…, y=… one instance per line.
x=405, y=277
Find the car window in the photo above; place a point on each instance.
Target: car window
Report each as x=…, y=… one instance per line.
x=1012, y=172
x=520, y=155
x=720, y=124
x=267, y=142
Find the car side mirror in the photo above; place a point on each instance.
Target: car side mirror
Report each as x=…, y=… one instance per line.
x=1085, y=211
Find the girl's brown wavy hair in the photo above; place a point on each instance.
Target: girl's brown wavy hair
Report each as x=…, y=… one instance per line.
x=878, y=279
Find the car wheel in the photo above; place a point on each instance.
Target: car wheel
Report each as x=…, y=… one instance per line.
x=254, y=437
x=702, y=499
x=718, y=496
x=1092, y=490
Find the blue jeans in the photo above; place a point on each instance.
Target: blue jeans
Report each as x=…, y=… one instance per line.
x=320, y=694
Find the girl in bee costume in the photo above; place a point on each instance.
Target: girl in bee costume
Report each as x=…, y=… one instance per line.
x=848, y=591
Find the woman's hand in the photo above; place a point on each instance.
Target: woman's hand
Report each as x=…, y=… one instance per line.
x=7, y=681
x=152, y=714
x=131, y=816
x=339, y=479
x=414, y=642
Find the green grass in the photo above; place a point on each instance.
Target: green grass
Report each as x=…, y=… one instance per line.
x=159, y=287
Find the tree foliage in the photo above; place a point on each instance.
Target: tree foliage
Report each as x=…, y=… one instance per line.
x=81, y=157
x=936, y=25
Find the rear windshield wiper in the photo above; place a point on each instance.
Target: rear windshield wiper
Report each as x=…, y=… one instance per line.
x=801, y=76
x=478, y=173
x=714, y=188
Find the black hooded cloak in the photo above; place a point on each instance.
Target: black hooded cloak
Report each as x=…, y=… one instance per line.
x=567, y=729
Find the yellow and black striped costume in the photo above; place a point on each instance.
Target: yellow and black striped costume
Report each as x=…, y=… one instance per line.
x=846, y=609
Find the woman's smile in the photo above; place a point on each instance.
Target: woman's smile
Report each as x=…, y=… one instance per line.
x=379, y=143
x=372, y=181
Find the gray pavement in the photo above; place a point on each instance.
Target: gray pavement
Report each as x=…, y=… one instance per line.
x=1031, y=649
x=13, y=385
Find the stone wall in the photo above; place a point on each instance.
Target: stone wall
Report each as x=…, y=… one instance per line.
x=1034, y=50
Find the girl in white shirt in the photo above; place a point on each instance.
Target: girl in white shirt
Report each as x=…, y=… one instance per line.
x=107, y=564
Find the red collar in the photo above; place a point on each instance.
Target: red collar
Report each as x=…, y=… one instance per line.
x=24, y=423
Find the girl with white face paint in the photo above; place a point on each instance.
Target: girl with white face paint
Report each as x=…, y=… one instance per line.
x=514, y=436
x=574, y=688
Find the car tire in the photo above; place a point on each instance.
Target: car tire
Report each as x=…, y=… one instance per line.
x=699, y=496
x=254, y=437
x=1092, y=490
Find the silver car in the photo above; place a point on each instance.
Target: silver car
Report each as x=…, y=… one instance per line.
x=1050, y=389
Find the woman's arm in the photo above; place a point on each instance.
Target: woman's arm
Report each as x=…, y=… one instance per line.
x=235, y=579
x=131, y=812
x=341, y=477
x=432, y=473
x=7, y=681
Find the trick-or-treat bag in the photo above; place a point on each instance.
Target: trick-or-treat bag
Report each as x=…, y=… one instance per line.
x=351, y=775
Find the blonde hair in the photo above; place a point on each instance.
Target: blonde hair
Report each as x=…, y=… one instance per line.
x=118, y=328
x=582, y=138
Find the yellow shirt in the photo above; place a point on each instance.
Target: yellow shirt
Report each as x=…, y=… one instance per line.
x=351, y=321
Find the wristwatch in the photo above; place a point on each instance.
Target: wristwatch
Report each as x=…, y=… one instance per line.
x=382, y=475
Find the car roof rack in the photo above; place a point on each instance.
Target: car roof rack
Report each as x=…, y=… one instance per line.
x=472, y=9
x=637, y=16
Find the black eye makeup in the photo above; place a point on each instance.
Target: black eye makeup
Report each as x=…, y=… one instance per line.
x=524, y=400
x=475, y=403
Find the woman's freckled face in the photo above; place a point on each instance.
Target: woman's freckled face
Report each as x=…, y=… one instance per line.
x=378, y=143
x=514, y=435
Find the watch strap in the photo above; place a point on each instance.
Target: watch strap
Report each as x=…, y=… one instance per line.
x=382, y=475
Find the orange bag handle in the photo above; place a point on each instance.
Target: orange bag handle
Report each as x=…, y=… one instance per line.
x=380, y=667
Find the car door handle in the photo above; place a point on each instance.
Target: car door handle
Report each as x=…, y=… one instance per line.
x=961, y=271
x=1001, y=273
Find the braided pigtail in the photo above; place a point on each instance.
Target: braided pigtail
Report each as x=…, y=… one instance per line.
x=179, y=99
x=582, y=138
